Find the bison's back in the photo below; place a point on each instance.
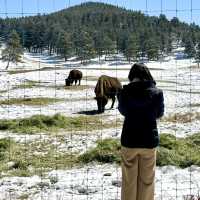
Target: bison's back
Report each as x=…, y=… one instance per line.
x=75, y=74
x=107, y=86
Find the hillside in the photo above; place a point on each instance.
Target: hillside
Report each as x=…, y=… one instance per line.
x=92, y=29
x=53, y=142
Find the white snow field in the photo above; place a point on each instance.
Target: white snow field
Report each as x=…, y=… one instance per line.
x=99, y=182
x=180, y=81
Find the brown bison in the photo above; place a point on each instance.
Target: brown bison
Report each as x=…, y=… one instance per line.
x=74, y=76
x=106, y=87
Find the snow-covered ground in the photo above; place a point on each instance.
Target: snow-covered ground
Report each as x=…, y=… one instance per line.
x=180, y=81
x=99, y=182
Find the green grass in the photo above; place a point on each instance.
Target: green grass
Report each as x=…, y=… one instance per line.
x=41, y=156
x=180, y=152
x=107, y=151
x=30, y=101
x=43, y=123
x=4, y=146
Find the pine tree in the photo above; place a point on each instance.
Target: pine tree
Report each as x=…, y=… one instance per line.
x=152, y=49
x=52, y=35
x=28, y=40
x=13, y=50
x=110, y=46
x=189, y=48
x=64, y=45
x=169, y=45
x=132, y=49
x=99, y=44
x=143, y=37
x=103, y=44
x=84, y=45
x=197, y=56
x=122, y=38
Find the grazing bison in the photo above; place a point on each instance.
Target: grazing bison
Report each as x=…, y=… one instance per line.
x=106, y=87
x=74, y=76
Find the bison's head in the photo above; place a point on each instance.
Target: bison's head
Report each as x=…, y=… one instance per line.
x=67, y=82
x=101, y=103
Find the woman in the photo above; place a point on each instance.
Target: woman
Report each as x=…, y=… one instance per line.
x=141, y=103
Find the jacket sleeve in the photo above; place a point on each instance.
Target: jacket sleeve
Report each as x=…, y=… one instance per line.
x=122, y=103
x=160, y=105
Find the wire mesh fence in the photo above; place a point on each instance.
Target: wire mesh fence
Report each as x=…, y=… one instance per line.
x=53, y=142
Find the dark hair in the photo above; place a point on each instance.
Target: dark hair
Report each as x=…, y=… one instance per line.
x=140, y=71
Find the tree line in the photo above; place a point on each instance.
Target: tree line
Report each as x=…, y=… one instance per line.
x=93, y=29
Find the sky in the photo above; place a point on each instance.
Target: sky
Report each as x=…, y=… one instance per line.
x=18, y=8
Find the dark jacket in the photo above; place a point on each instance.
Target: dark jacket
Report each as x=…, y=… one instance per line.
x=141, y=103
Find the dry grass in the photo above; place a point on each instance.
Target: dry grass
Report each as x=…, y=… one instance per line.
x=3, y=91
x=40, y=156
x=116, y=68
x=191, y=197
x=30, y=101
x=193, y=105
x=90, y=78
x=34, y=70
x=166, y=81
x=25, y=85
x=95, y=78
x=182, y=118
x=36, y=84
x=72, y=87
x=183, y=91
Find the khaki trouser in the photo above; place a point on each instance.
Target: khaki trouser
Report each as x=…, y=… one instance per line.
x=138, y=172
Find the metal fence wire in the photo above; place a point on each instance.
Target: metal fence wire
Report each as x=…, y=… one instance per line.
x=54, y=145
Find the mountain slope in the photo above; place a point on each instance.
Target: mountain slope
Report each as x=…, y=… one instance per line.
x=94, y=28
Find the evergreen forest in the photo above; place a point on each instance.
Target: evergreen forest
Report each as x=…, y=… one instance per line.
x=94, y=29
